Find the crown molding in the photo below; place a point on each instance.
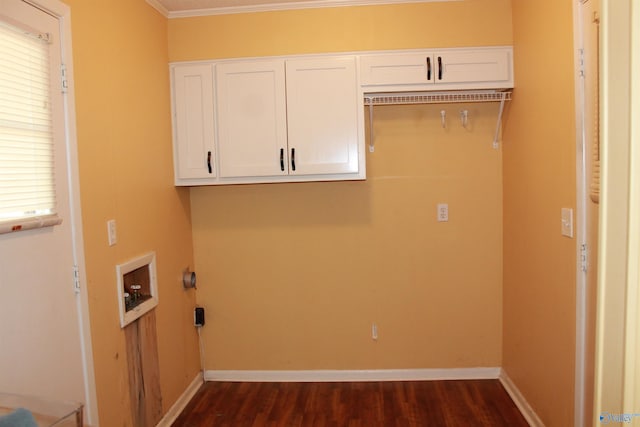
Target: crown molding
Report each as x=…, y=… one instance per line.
x=159, y=7
x=294, y=5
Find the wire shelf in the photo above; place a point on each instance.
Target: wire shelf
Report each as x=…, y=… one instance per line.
x=436, y=97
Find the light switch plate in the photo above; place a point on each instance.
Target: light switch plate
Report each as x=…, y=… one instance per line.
x=111, y=232
x=567, y=222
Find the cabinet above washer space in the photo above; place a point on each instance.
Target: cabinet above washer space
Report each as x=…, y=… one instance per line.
x=438, y=70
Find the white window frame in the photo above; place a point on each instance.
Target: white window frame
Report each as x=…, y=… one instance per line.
x=32, y=127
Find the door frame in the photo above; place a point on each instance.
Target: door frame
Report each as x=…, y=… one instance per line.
x=63, y=13
x=617, y=371
x=581, y=218
x=632, y=369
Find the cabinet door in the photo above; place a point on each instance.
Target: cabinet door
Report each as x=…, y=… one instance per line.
x=194, y=131
x=446, y=69
x=391, y=69
x=322, y=111
x=473, y=66
x=252, y=119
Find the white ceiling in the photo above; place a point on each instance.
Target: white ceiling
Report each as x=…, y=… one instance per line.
x=184, y=8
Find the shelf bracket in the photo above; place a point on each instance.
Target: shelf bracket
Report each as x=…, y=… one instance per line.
x=371, y=142
x=496, y=144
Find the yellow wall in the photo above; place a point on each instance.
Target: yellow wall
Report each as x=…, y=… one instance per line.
x=539, y=180
x=126, y=174
x=292, y=275
x=404, y=26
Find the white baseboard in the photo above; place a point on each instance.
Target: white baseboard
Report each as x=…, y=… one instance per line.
x=182, y=402
x=527, y=411
x=358, y=375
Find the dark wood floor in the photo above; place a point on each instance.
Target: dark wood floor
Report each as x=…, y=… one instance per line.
x=466, y=403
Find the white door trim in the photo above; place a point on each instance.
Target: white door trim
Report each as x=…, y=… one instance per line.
x=613, y=280
x=63, y=13
x=581, y=219
x=632, y=364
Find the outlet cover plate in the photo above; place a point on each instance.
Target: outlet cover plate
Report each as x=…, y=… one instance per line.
x=567, y=222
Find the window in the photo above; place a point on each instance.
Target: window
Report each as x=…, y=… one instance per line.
x=27, y=185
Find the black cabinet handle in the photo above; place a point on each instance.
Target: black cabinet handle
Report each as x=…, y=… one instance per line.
x=282, y=159
x=209, y=162
x=439, y=68
x=428, y=68
x=293, y=159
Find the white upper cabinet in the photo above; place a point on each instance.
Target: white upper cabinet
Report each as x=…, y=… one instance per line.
x=323, y=116
x=252, y=119
x=301, y=118
x=193, y=124
x=275, y=120
x=431, y=70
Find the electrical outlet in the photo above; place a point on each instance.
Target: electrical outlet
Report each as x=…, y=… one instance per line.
x=198, y=317
x=443, y=212
x=567, y=222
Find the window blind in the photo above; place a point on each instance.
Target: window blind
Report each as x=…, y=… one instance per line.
x=27, y=187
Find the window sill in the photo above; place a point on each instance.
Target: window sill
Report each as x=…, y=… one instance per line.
x=29, y=223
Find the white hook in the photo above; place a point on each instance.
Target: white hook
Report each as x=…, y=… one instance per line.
x=443, y=118
x=464, y=118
